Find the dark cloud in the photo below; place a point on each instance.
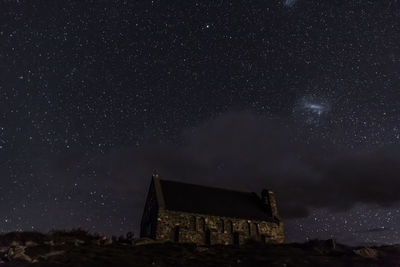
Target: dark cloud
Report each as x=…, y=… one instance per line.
x=373, y=230
x=246, y=151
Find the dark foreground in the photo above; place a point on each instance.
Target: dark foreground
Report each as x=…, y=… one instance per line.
x=77, y=248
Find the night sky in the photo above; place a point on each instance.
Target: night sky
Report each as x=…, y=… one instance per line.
x=298, y=96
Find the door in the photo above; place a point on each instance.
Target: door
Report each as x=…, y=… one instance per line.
x=176, y=234
x=208, y=237
x=236, y=239
x=263, y=239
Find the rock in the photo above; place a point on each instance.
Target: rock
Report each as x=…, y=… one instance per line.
x=201, y=249
x=18, y=253
x=50, y=243
x=144, y=241
x=108, y=242
x=14, y=244
x=78, y=242
x=31, y=243
x=52, y=254
x=367, y=253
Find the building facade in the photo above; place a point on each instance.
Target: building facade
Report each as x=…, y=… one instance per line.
x=182, y=212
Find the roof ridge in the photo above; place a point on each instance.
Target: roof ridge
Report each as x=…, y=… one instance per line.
x=212, y=187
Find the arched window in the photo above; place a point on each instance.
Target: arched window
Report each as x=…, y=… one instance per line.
x=229, y=227
x=202, y=224
x=192, y=223
x=263, y=239
x=176, y=233
x=247, y=228
x=220, y=226
x=254, y=229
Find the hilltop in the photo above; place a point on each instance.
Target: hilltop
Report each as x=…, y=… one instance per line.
x=79, y=248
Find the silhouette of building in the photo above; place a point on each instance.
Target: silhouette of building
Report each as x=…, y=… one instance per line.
x=183, y=212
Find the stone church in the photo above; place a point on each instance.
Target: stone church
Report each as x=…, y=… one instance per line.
x=183, y=212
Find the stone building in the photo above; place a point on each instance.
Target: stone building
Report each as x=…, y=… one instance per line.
x=204, y=215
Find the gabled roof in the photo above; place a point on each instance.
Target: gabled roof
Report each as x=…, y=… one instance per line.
x=201, y=199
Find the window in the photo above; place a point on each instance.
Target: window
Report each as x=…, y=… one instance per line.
x=220, y=226
x=202, y=224
x=176, y=233
x=192, y=223
x=229, y=227
x=247, y=228
x=254, y=229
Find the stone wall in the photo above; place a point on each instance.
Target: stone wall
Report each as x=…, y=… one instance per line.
x=192, y=227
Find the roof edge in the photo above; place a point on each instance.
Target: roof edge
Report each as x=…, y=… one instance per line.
x=213, y=187
x=159, y=192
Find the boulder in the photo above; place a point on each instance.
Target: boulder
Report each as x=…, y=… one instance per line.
x=366, y=252
x=14, y=244
x=18, y=253
x=78, y=242
x=50, y=243
x=51, y=254
x=31, y=243
x=201, y=249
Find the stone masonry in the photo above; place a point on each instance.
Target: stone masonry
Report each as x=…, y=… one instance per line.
x=167, y=217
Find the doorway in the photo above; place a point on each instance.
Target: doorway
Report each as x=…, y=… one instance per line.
x=236, y=239
x=208, y=237
x=176, y=234
x=263, y=239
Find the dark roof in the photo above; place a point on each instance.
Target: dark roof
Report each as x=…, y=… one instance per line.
x=213, y=201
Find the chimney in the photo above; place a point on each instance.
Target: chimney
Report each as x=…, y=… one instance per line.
x=155, y=174
x=268, y=198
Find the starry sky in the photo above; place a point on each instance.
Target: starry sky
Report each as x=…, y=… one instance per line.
x=299, y=96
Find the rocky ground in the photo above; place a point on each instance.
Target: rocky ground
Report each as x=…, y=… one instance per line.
x=78, y=248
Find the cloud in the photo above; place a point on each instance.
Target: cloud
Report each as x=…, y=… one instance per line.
x=373, y=230
x=245, y=151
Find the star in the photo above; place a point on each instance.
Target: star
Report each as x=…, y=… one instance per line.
x=93, y=97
